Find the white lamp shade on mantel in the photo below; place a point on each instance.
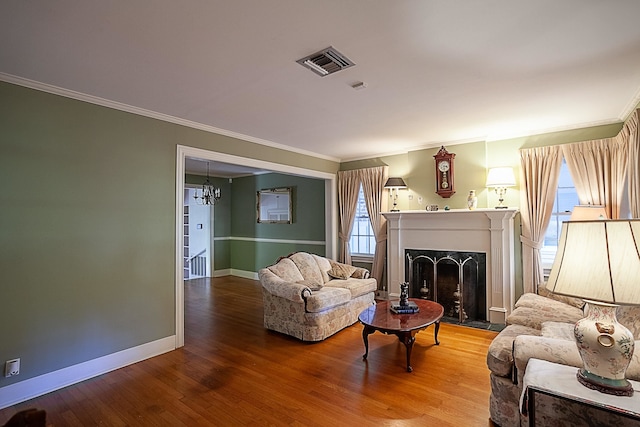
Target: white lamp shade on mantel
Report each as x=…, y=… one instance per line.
x=501, y=177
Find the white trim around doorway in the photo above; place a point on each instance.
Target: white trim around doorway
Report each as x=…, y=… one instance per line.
x=331, y=211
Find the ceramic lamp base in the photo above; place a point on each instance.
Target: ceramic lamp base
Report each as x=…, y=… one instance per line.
x=606, y=348
x=604, y=385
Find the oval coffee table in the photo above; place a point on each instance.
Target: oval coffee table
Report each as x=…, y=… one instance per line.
x=405, y=326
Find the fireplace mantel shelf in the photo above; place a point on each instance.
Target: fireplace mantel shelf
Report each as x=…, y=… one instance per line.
x=450, y=211
x=480, y=230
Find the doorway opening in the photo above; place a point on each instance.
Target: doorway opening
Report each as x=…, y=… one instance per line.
x=198, y=250
x=184, y=152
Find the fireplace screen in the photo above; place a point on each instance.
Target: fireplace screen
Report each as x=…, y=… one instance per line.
x=456, y=280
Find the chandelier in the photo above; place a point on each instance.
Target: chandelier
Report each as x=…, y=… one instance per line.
x=210, y=194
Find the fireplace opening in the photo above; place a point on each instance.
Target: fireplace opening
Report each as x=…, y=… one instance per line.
x=456, y=280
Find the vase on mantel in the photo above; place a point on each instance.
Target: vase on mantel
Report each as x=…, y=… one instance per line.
x=472, y=200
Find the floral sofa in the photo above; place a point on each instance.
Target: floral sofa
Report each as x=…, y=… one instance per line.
x=311, y=297
x=541, y=327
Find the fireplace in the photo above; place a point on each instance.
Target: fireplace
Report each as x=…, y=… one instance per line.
x=456, y=280
x=484, y=231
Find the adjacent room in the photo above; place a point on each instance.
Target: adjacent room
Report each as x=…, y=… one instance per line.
x=320, y=213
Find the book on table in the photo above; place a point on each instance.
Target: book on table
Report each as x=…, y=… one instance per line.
x=410, y=308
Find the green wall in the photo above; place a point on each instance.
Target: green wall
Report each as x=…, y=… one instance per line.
x=241, y=243
x=472, y=162
x=87, y=226
x=275, y=240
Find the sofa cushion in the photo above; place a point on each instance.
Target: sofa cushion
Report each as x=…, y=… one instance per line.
x=326, y=298
x=499, y=356
x=559, y=330
x=308, y=266
x=324, y=266
x=547, y=304
x=576, y=302
x=286, y=270
x=340, y=271
x=629, y=316
x=357, y=287
x=535, y=317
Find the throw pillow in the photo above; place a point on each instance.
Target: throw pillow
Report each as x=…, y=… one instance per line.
x=341, y=271
x=311, y=284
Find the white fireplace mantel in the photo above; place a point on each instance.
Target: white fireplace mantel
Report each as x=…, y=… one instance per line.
x=481, y=230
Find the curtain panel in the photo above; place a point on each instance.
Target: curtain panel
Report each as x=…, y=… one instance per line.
x=633, y=170
x=539, y=173
x=599, y=170
x=348, y=188
x=373, y=180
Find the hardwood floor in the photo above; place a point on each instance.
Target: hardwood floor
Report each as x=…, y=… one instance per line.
x=232, y=371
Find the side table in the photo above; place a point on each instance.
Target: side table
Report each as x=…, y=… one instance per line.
x=551, y=395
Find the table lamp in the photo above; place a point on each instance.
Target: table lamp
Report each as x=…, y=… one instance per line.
x=599, y=261
x=499, y=179
x=393, y=184
x=582, y=212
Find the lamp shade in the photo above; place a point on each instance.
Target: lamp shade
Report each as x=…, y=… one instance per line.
x=583, y=212
x=501, y=177
x=598, y=260
x=395, y=183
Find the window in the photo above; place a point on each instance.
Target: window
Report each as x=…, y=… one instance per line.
x=566, y=199
x=362, y=241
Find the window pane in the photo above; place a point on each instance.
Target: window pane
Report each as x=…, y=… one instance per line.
x=551, y=236
x=362, y=240
x=567, y=198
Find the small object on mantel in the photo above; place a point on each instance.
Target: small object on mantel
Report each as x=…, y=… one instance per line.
x=446, y=207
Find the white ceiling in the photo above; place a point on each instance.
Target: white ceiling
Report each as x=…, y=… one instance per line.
x=437, y=71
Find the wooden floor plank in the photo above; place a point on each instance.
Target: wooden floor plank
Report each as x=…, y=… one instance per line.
x=232, y=371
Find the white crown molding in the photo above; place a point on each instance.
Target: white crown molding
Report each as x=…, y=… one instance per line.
x=52, y=381
x=44, y=87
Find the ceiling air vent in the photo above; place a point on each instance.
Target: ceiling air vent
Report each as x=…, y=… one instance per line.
x=326, y=62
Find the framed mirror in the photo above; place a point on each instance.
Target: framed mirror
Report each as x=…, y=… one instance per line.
x=274, y=206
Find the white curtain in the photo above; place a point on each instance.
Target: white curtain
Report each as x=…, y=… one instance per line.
x=539, y=172
x=599, y=170
x=373, y=180
x=348, y=188
x=633, y=169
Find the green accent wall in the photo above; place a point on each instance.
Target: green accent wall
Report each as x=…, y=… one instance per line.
x=87, y=226
x=308, y=220
x=238, y=237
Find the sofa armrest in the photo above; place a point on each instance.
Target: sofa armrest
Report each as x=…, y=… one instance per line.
x=555, y=350
x=291, y=291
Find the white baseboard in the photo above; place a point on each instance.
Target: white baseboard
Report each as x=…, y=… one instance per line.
x=233, y=272
x=37, y=386
x=245, y=274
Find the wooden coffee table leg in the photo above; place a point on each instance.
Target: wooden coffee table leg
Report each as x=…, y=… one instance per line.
x=437, y=328
x=408, y=338
x=368, y=330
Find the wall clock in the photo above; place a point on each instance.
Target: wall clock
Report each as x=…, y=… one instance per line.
x=444, y=173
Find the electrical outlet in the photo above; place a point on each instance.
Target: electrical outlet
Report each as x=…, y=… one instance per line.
x=11, y=368
x=420, y=200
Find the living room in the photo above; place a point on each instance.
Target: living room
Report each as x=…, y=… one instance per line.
x=90, y=183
